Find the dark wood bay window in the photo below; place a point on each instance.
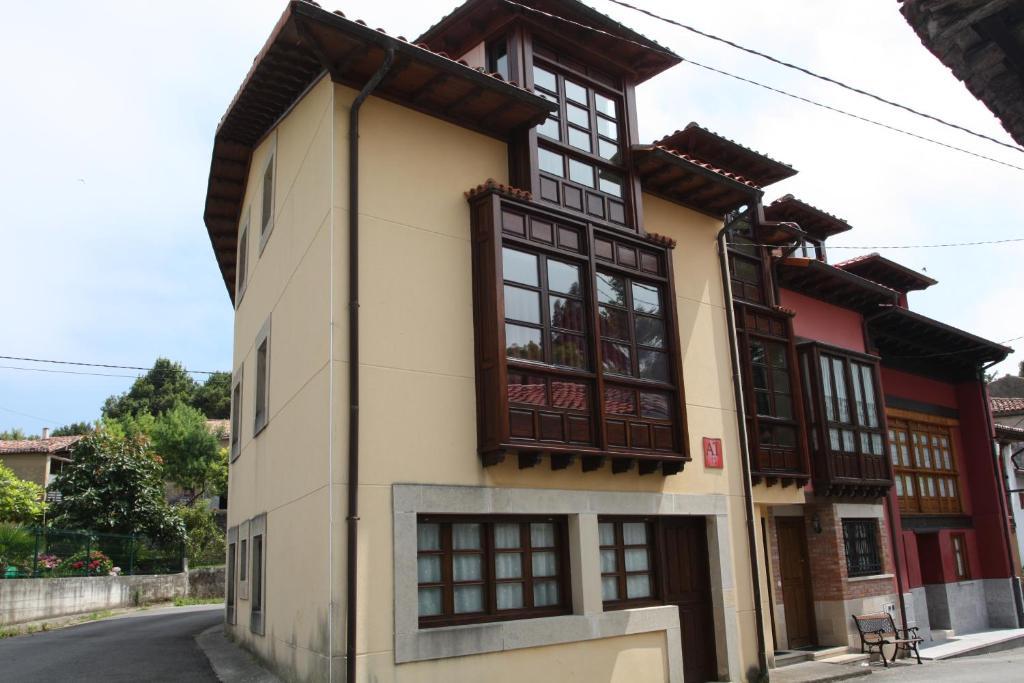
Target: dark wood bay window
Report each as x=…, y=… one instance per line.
x=580, y=164
x=863, y=551
x=478, y=569
x=924, y=467
x=846, y=424
x=627, y=563
x=577, y=341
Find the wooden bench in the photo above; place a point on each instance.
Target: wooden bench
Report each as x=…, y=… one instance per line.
x=877, y=630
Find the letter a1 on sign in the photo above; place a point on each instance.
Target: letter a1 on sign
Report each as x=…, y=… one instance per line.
x=713, y=453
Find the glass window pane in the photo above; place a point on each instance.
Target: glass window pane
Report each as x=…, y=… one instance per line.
x=581, y=173
x=572, y=395
x=550, y=162
x=545, y=593
x=653, y=364
x=524, y=388
x=607, y=128
x=522, y=304
x=760, y=377
x=899, y=486
x=865, y=442
x=777, y=355
x=466, y=567
x=544, y=563
x=568, y=350
x=634, y=533
x=518, y=266
x=839, y=380
x=783, y=407
x=650, y=331
x=758, y=354
x=510, y=595
x=858, y=397
x=566, y=313
x=428, y=536
x=868, y=377
x=579, y=139
x=833, y=439
x=508, y=565
x=614, y=323
x=542, y=535
x=611, y=289
x=428, y=569
x=607, y=150
x=646, y=298
x=849, y=444
x=616, y=358
x=466, y=536
x=785, y=437
x=577, y=115
x=619, y=401
x=606, y=533
x=876, y=444
x=636, y=560
x=429, y=602
x=544, y=79
x=654, y=405
x=610, y=182
x=780, y=381
x=638, y=586
x=564, y=277
x=523, y=342
x=605, y=105
x=575, y=92
x=609, y=588
x=608, y=561
x=506, y=535
x=550, y=128
x=764, y=403
x=826, y=390
x=469, y=599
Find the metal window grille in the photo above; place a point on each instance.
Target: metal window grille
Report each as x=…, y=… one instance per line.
x=863, y=556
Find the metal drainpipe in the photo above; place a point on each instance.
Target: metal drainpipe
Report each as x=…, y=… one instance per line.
x=1018, y=599
x=352, y=520
x=741, y=423
x=896, y=536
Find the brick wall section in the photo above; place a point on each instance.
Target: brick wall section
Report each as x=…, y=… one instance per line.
x=773, y=558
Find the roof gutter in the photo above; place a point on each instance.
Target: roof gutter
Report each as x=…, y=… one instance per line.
x=741, y=424
x=352, y=519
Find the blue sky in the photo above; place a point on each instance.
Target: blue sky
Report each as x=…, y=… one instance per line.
x=106, y=258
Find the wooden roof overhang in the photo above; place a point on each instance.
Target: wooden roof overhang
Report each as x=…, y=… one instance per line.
x=613, y=46
x=908, y=340
x=820, y=280
x=699, y=142
x=877, y=268
x=692, y=182
x=308, y=42
x=812, y=220
x=1011, y=433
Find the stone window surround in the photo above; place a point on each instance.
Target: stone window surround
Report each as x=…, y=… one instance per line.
x=588, y=621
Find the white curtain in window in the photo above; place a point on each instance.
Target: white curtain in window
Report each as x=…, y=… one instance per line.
x=545, y=593
x=508, y=565
x=466, y=536
x=510, y=595
x=608, y=561
x=544, y=564
x=634, y=533
x=428, y=569
x=430, y=601
x=636, y=560
x=428, y=537
x=606, y=533
x=469, y=599
x=609, y=588
x=542, y=535
x=466, y=568
x=506, y=535
x=638, y=586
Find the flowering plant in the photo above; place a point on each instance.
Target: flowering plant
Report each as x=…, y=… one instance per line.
x=48, y=561
x=93, y=564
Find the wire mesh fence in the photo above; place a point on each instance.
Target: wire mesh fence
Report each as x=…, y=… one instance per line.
x=46, y=553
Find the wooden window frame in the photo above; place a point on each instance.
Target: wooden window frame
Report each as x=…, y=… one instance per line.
x=653, y=562
x=652, y=441
x=873, y=561
x=961, y=562
x=919, y=477
x=268, y=197
x=242, y=277
x=231, y=577
x=489, y=580
x=237, y=398
x=628, y=307
x=258, y=574
x=261, y=387
x=836, y=468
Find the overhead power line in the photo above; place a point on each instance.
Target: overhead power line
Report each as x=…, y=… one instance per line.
x=767, y=87
x=101, y=365
x=33, y=417
x=896, y=246
x=813, y=74
x=64, y=372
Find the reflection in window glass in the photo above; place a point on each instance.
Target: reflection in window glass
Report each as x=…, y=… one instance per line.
x=607, y=150
x=566, y=313
x=646, y=298
x=550, y=129
x=577, y=115
x=581, y=173
x=611, y=289
x=619, y=401
x=550, y=162
x=617, y=358
x=575, y=92
x=526, y=388
x=572, y=395
x=579, y=139
x=608, y=128
x=653, y=364
x=563, y=277
x=568, y=350
x=522, y=304
x=523, y=342
x=544, y=79
x=605, y=105
x=654, y=404
x=519, y=266
x=614, y=323
x=650, y=331
x=610, y=182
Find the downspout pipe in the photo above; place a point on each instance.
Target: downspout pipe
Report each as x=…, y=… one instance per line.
x=896, y=536
x=741, y=423
x=1018, y=599
x=352, y=518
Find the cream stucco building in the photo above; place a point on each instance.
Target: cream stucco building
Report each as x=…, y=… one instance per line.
x=550, y=485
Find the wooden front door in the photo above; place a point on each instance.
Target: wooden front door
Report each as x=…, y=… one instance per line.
x=688, y=585
x=796, y=581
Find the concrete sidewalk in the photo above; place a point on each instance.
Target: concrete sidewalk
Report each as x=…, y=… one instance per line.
x=979, y=643
x=231, y=664
x=818, y=671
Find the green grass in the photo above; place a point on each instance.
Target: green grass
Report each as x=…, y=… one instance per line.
x=100, y=615
x=185, y=602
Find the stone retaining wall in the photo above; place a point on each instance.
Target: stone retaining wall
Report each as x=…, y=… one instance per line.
x=32, y=599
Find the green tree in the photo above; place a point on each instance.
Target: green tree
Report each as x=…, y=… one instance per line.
x=189, y=450
x=204, y=541
x=213, y=397
x=15, y=434
x=163, y=386
x=73, y=429
x=115, y=484
x=20, y=500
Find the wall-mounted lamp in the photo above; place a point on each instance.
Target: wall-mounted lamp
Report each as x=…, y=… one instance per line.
x=816, y=523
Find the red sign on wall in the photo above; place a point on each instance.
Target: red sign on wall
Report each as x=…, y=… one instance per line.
x=713, y=453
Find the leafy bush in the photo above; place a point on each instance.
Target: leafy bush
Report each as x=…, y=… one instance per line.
x=204, y=541
x=95, y=563
x=20, y=500
x=16, y=546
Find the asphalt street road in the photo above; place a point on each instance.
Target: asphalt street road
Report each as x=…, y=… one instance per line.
x=157, y=645
x=996, y=667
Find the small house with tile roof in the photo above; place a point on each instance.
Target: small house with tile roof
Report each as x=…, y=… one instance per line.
x=38, y=460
